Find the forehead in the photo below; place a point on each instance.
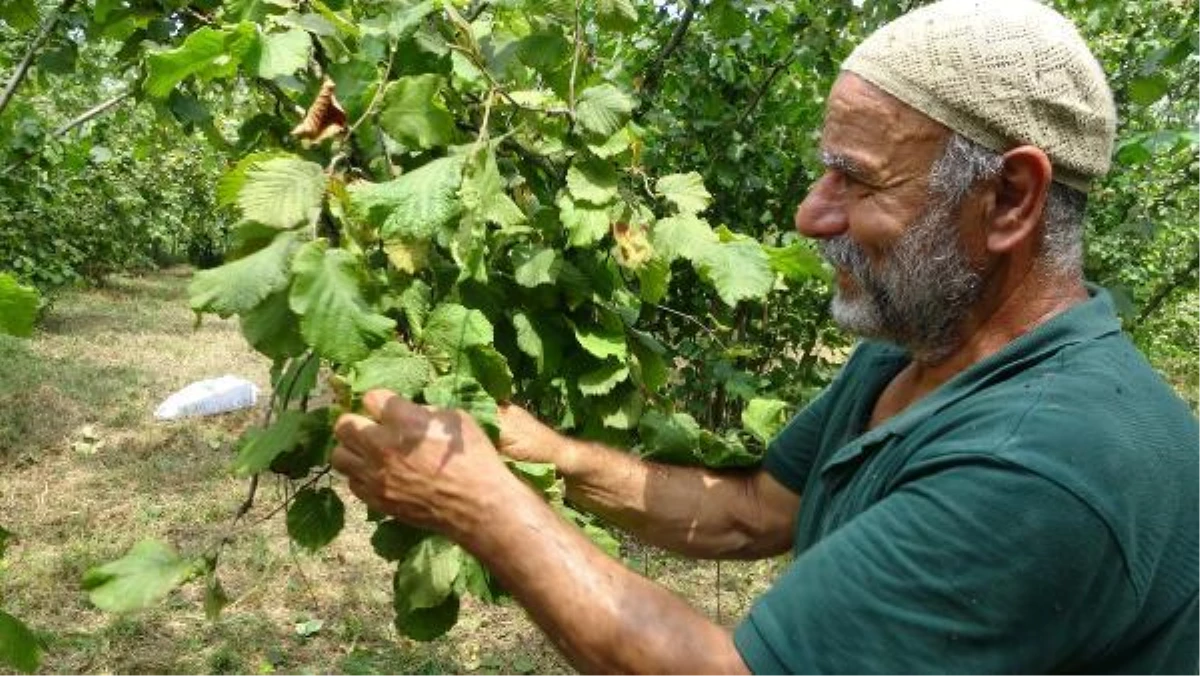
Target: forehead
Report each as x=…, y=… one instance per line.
x=877, y=132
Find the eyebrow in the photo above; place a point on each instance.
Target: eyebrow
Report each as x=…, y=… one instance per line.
x=844, y=163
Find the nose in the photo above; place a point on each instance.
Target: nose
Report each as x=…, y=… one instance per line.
x=822, y=214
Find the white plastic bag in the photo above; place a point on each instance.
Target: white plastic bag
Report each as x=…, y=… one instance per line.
x=209, y=397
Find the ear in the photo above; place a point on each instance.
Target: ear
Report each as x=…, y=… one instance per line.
x=1020, y=200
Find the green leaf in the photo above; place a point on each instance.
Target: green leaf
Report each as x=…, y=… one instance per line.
x=601, y=381
x=685, y=191
x=684, y=236
x=278, y=54
x=585, y=224
x=334, y=318
x=796, y=262
x=259, y=447
x=671, y=438
x=19, y=647
x=411, y=114
x=207, y=52
x=5, y=536
x=651, y=368
x=309, y=628
x=763, y=418
x=282, y=192
x=315, y=518
x=426, y=575
x=737, y=270
x=314, y=445
x=538, y=340
x=140, y=578
x=450, y=329
x=18, y=307
x=483, y=193
x=592, y=180
x=1146, y=90
x=457, y=391
x=393, y=540
x=618, y=15
x=238, y=287
x=22, y=15
x=723, y=452
x=272, y=328
x=621, y=412
x=404, y=18
x=427, y=624
x=415, y=301
x=390, y=369
x=415, y=205
x=603, y=109
x=654, y=279
x=534, y=265
x=490, y=368
x=601, y=342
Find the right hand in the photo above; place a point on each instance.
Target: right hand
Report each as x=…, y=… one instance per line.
x=524, y=437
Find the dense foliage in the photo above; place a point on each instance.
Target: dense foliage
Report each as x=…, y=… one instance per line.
x=582, y=206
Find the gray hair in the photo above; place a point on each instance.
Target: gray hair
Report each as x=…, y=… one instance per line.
x=964, y=163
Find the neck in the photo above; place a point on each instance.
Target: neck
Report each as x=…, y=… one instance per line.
x=1012, y=308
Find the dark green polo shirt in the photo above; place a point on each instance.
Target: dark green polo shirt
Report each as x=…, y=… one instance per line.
x=1035, y=514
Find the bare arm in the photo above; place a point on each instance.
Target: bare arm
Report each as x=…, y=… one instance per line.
x=439, y=471
x=692, y=511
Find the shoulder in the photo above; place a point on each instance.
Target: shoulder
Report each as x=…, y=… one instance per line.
x=1098, y=422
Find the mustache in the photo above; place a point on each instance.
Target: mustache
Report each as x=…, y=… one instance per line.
x=844, y=253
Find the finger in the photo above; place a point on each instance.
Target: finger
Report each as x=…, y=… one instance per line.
x=350, y=426
x=348, y=463
x=391, y=409
x=360, y=489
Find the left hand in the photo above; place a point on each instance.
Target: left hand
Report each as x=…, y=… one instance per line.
x=433, y=469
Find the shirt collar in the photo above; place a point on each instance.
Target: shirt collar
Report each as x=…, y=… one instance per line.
x=1091, y=319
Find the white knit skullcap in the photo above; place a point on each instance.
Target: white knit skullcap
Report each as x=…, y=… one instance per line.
x=1002, y=73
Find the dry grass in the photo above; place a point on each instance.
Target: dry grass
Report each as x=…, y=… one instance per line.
x=87, y=473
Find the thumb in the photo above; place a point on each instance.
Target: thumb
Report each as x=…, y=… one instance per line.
x=388, y=408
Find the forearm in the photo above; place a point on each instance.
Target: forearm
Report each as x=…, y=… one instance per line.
x=688, y=510
x=603, y=617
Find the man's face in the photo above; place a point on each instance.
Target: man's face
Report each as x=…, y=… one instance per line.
x=904, y=273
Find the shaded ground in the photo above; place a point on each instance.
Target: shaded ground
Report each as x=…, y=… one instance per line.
x=85, y=472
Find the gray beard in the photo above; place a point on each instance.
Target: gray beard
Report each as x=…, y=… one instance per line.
x=918, y=296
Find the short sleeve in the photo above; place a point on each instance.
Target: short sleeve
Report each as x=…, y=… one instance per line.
x=977, y=567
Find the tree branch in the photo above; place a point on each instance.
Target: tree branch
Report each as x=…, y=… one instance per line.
x=1182, y=276
x=653, y=72
x=762, y=89
x=93, y=112
x=27, y=60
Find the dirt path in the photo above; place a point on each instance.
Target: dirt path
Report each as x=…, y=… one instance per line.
x=86, y=473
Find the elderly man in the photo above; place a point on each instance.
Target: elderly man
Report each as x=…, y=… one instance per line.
x=996, y=481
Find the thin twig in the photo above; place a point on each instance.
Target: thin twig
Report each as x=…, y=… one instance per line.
x=762, y=89
x=653, y=72
x=89, y=114
x=697, y=322
x=575, y=63
x=27, y=60
x=93, y=112
x=378, y=93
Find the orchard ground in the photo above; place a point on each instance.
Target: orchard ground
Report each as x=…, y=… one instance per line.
x=86, y=472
